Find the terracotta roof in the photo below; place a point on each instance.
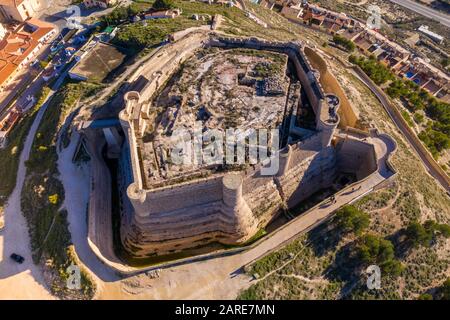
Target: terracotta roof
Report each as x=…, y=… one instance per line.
x=18, y=44
x=12, y=3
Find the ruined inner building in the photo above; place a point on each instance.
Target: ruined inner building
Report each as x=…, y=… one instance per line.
x=218, y=83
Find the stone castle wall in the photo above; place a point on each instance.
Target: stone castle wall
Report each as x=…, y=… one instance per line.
x=198, y=212
x=348, y=115
x=231, y=207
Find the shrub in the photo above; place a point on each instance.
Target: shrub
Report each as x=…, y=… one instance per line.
x=435, y=141
x=351, y=219
x=347, y=44
x=372, y=249
x=163, y=4
x=425, y=296
x=375, y=70
x=417, y=235
x=418, y=117
x=444, y=290
x=424, y=235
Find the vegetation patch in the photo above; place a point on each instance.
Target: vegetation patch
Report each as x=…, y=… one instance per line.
x=9, y=157
x=436, y=135
x=347, y=44
x=43, y=195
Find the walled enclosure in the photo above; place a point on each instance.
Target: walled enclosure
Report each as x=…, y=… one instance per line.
x=228, y=207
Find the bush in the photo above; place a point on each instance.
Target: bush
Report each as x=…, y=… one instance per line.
x=375, y=70
x=351, y=219
x=424, y=235
x=372, y=249
x=407, y=118
x=121, y=14
x=417, y=235
x=347, y=44
x=435, y=141
x=444, y=290
x=425, y=296
x=418, y=117
x=163, y=4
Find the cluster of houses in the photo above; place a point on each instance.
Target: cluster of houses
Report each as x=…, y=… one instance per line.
x=22, y=36
x=370, y=42
x=19, y=46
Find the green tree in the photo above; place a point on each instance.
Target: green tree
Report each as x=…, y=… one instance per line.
x=417, y=235
x=351, y=219
x=425, y=234
x=425, y=296
x=392, y=267
x=374, y=249
x=347, y=44
x=163, y=4
x=444, y=230
x=436, y=141
x=444, y=290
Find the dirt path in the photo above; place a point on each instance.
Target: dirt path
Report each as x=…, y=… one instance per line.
x=20, y=281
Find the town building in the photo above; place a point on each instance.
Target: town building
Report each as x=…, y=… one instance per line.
x=99, y=3
x=293, y=12
x=163, y=14
x=19, y=10
x=20, y=46
x=433, y=35
x=329, y=20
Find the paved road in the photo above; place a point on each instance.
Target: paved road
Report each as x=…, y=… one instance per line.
x=424, y=11
x=432, y=167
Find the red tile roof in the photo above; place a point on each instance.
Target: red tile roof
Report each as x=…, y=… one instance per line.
x=19, y=43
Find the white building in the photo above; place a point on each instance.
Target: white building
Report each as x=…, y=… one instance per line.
x=436, y=37
x=19, y=10
x=3, y=31
x=99, y=3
